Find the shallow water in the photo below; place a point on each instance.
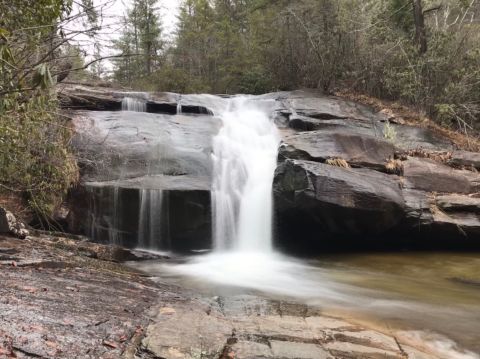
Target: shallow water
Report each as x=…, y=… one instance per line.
x=427, y=297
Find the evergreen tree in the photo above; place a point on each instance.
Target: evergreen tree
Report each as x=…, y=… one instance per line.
x=140, y=42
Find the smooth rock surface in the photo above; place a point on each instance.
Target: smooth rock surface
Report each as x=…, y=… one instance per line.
x=339, y=200
x=466, y=159
x=362, y=151
x=431, y=176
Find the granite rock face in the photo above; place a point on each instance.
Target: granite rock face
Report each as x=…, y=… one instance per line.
x=393, y=181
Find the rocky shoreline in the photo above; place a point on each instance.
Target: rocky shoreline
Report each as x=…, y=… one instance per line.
x=65, y=298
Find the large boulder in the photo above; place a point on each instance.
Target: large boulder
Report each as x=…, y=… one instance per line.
x=338, y=200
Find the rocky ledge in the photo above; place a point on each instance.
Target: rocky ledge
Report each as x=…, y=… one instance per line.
x=66, y=298
x=347, y=172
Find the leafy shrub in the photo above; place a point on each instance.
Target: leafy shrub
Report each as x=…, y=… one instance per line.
x=34, y=155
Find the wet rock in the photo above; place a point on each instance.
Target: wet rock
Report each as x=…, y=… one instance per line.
x=188, y=332
x=338, y=200
x=282, y=349
x=418, y=205
x=79, y=308
x=113, y=145
x=443, y=217
x=316, y=105
x=458, y=203
x=466, y=159
x=361, y=151
x=9, y=224
x=431, y=176
x=460, y=223
x=410, y=138
x=110, y=212
x=81, y=97
x=246, y=327
x=401, y=136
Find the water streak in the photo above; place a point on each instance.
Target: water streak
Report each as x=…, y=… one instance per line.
x=135, y=101
x=150, y=219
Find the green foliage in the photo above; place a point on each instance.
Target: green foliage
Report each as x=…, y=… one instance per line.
x=140, y=43
x=34, y=157
x=255, y=81
x=389, y=131
x=370, y=46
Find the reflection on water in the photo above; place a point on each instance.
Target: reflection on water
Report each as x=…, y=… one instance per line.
x=423, y=296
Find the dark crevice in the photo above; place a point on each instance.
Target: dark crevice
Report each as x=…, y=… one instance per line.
x=266, y=339
x=321, y=115
x=166, y=108
x=197, y=110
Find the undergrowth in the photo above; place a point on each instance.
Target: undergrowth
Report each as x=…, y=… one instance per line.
x=35, y=161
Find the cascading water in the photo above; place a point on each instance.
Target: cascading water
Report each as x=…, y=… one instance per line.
x=149, y=227
x=135, y=101
x=244, y=160
x=244, y=157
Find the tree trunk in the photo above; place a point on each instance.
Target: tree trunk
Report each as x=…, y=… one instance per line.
x=420, y=31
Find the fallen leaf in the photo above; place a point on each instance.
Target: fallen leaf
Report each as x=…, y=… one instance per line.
x=14, y=264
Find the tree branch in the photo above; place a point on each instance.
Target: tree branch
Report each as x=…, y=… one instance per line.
x=94, y=61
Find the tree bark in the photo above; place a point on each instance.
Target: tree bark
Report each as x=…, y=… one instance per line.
x=420, y=31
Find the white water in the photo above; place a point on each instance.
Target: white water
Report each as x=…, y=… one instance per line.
x=150, y=220
x=244, y=160
x=135, y=101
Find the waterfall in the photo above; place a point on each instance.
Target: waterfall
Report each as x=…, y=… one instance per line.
x=150, y=235
x=244, y=161
x=135, y=101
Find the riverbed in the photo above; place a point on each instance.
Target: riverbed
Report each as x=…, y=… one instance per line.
x=430, y=300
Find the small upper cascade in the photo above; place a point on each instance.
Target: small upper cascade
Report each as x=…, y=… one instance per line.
x=135, y=101
x=179, y=105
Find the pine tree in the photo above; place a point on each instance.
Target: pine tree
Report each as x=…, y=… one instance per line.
x=140, y=42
